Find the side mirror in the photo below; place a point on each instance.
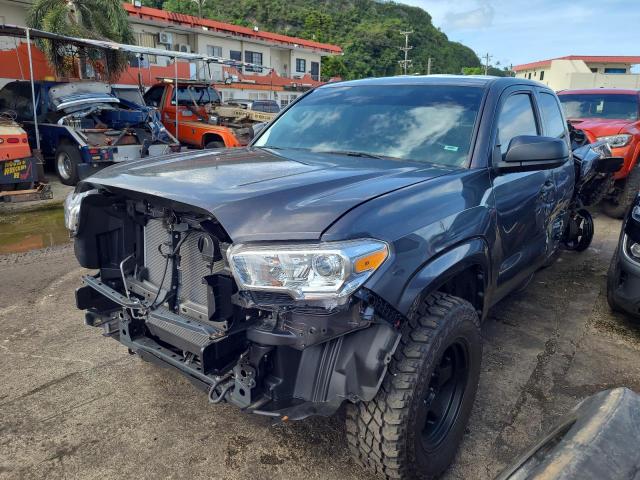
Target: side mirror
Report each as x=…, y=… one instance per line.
x=527, y=152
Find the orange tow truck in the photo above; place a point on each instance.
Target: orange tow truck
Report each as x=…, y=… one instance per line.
x=202, y=120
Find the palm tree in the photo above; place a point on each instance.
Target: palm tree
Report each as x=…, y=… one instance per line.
x=96, y=19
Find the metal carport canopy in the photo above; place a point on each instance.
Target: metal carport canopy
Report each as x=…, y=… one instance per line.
x=29, y=33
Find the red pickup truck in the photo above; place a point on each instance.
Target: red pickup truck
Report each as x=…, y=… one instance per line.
x=611, y=114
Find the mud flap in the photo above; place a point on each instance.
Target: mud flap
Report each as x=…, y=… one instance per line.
x=598, y=439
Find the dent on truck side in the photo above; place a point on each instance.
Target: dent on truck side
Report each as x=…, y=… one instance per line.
x=434, y=229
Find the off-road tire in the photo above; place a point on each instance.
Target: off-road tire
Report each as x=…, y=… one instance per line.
x=618, y=207
x=69, y=175
x=382, y=434
x=214, y=144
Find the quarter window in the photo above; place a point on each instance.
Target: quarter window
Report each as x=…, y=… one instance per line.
x=516, y=118
x=554, y=125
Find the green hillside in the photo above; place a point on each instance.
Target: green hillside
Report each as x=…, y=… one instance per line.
x=367, y=30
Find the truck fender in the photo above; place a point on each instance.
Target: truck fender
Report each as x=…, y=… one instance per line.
x=448, y=264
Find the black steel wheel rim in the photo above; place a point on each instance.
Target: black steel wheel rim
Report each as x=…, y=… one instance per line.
x=444, y=395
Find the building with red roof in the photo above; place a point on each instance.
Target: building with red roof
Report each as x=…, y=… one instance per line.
x=282, y=66
x=583, y=71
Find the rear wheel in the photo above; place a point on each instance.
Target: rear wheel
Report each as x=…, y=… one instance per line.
x=67, y=159
x=617, y=207
x=413, y=427
x=580, y=231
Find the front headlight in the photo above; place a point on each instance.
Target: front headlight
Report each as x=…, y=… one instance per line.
x=72, y=205
x=616, y=141
x=307, y=271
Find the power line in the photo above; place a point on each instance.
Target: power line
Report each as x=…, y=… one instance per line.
x=406, y=62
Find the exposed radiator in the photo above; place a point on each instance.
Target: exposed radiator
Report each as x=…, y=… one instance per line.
x=192, y=291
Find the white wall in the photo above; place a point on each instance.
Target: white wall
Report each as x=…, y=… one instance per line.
x=13, y=13
x=308, y=56
x=565, y=74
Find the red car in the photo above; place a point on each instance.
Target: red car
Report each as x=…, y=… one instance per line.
x=611, y=114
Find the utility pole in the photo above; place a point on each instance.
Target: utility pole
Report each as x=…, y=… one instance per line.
x=406, y=62
x=429, y=66
x=486, y=63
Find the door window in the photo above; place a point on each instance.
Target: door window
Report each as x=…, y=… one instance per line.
x=554, y=125
x=516, y=118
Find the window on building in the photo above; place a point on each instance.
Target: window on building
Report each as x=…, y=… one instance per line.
x=554, y=124
x=235, y=55
x=616, y=71
x=529, y=76
x=301, y=65
x=542, y=75
x=516, y=118
x=594, y=69
x=147, y=40
x=214, y=51
x=255, y=58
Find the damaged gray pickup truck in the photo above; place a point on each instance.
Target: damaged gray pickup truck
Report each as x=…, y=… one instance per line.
x=348, y=255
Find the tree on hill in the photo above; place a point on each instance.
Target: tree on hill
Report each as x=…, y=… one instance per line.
x=367, y=30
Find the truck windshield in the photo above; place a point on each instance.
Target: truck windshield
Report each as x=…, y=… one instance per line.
x=426, y=123
x=201, y=95
x=616, y=106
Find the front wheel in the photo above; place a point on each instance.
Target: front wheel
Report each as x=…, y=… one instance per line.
x=414, y=425
x=214, y=144
x=67, y=159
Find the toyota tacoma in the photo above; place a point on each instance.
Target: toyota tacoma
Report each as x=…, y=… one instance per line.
x=612, y=115
x=347, y=255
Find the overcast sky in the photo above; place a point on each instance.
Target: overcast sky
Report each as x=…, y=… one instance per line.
x=522, y=31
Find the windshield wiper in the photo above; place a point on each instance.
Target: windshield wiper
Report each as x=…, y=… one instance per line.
x=274, y=147
x=351, y=153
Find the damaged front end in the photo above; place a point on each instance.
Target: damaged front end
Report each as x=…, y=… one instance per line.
x=282, y=330
x=107, y=128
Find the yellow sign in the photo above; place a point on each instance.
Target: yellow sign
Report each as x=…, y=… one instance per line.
x=14, y=168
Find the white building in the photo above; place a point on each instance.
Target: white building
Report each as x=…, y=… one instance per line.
x=291, y=65
x=577, y=71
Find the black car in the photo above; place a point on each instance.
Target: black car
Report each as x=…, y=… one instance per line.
x=349, y=254
x=623, y=280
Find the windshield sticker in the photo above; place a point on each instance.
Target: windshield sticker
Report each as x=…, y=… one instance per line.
x=451, y=148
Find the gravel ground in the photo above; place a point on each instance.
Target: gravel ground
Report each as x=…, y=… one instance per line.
x=76, y=405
